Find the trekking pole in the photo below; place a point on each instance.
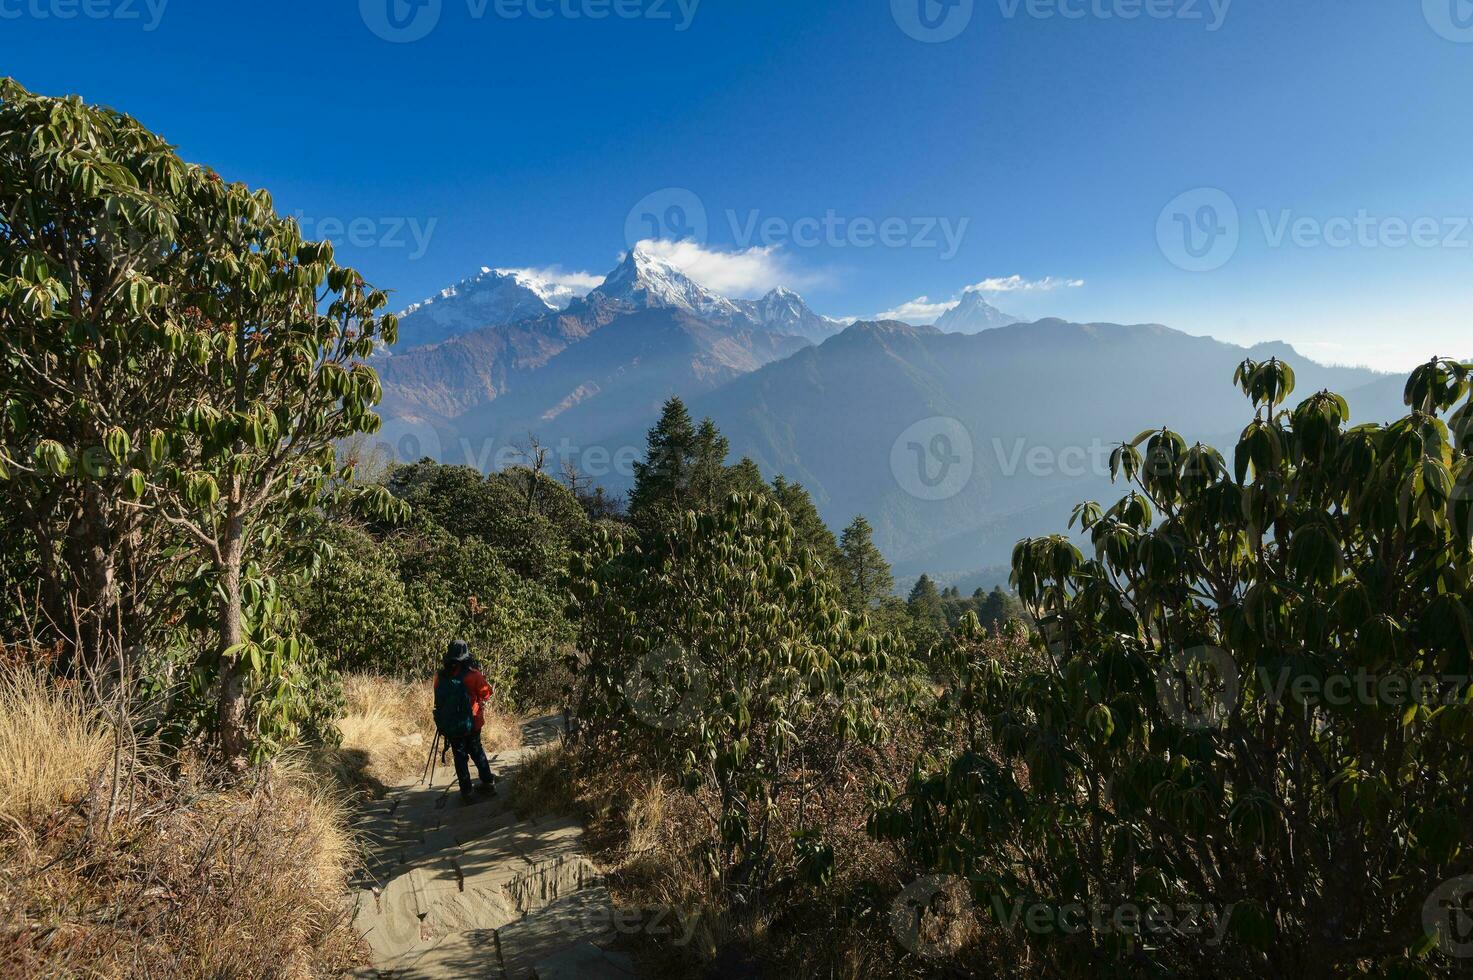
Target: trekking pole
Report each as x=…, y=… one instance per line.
x=429, y=773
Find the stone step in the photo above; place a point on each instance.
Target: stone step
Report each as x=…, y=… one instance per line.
x=585, y=961
x=585, y=916
x=472, y=891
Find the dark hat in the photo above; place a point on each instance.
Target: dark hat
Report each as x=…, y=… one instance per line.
x=459, y=652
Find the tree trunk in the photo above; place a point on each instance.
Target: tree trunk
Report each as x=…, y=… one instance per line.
x=234, y=738
x=97, y=605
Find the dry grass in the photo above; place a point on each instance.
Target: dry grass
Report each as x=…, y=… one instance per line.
x=187, y=879
x=648, y=834
x=51, y=744
x=546, y=785
x=643, y=833
x=388, y=727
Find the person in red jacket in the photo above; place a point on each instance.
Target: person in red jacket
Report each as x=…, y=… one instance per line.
x=467, y=748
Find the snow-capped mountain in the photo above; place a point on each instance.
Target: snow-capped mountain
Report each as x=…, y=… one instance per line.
x=493, y=353
x=642, y=281
x=490, y=298
x=647, y=282
x=783, y=311
x=973, y=315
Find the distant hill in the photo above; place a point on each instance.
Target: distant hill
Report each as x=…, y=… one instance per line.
x=1018, y=418
x=1038, y=407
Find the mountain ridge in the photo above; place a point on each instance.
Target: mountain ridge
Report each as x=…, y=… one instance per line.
x=1035, y=406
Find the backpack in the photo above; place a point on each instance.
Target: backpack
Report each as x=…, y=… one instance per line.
x=453, y=716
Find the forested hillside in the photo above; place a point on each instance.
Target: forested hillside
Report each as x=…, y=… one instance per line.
x=1218, y=725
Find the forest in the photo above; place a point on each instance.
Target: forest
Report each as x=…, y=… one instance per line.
x=1135, y=763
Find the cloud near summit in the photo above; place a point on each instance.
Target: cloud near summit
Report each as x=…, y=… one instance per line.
x=743, y=273
x=923, y=309
x=1017, y=284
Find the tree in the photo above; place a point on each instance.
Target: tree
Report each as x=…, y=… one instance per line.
x=100, y=233
x=708, y=472
x=1254, y=698
x=665, y=473
x=997, y=607
x=744, y=476
x=535, y=543
x=722, y=653
x=864, y=574
x=278, y=337
x=179, y=363
x=925, y=602
x=685, y=469
x=808, y=525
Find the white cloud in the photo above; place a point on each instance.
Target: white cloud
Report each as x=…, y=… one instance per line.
x=557, y=285
x=1017, y=284
x=924, y=310
x=919, y=310
x=745, y=273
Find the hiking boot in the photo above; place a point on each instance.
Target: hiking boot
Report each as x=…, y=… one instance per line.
x=466, y=799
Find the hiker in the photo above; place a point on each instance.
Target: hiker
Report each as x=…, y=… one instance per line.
x=461, y=693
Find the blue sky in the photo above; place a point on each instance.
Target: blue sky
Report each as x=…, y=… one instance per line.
x=1249, y=169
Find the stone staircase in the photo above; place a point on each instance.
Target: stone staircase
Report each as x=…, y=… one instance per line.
x=471, y=891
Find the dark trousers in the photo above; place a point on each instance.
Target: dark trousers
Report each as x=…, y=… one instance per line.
x=464, y=750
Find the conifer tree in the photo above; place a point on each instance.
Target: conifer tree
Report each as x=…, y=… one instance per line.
x=708, y=481
x=865, y=575
x=808, y=525
x=665, y=472
x=925, y=603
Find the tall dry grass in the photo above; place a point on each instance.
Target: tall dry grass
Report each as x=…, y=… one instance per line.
x=177, y=873
x=52, y=743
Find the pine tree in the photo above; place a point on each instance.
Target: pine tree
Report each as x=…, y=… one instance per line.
x=745, y=477
x=865, y=576
x=807, y=523
x=708, y=473
x=666, y=472
x=925, y=603
x=998, y=607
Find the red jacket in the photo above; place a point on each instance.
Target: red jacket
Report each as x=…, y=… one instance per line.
x=478, y=689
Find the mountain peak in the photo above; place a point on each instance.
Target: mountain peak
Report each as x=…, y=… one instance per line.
x=643, y=281
x=887, y=328
x=488, y=298
x=973, y=314
x=784, y=311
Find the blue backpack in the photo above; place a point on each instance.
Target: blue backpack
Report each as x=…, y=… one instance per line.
x=453, y=715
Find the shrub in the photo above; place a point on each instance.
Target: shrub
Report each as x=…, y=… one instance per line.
x=721, y=653
x=1177, y=743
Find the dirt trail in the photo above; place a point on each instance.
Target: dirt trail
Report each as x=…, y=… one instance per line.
x=472, y=891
